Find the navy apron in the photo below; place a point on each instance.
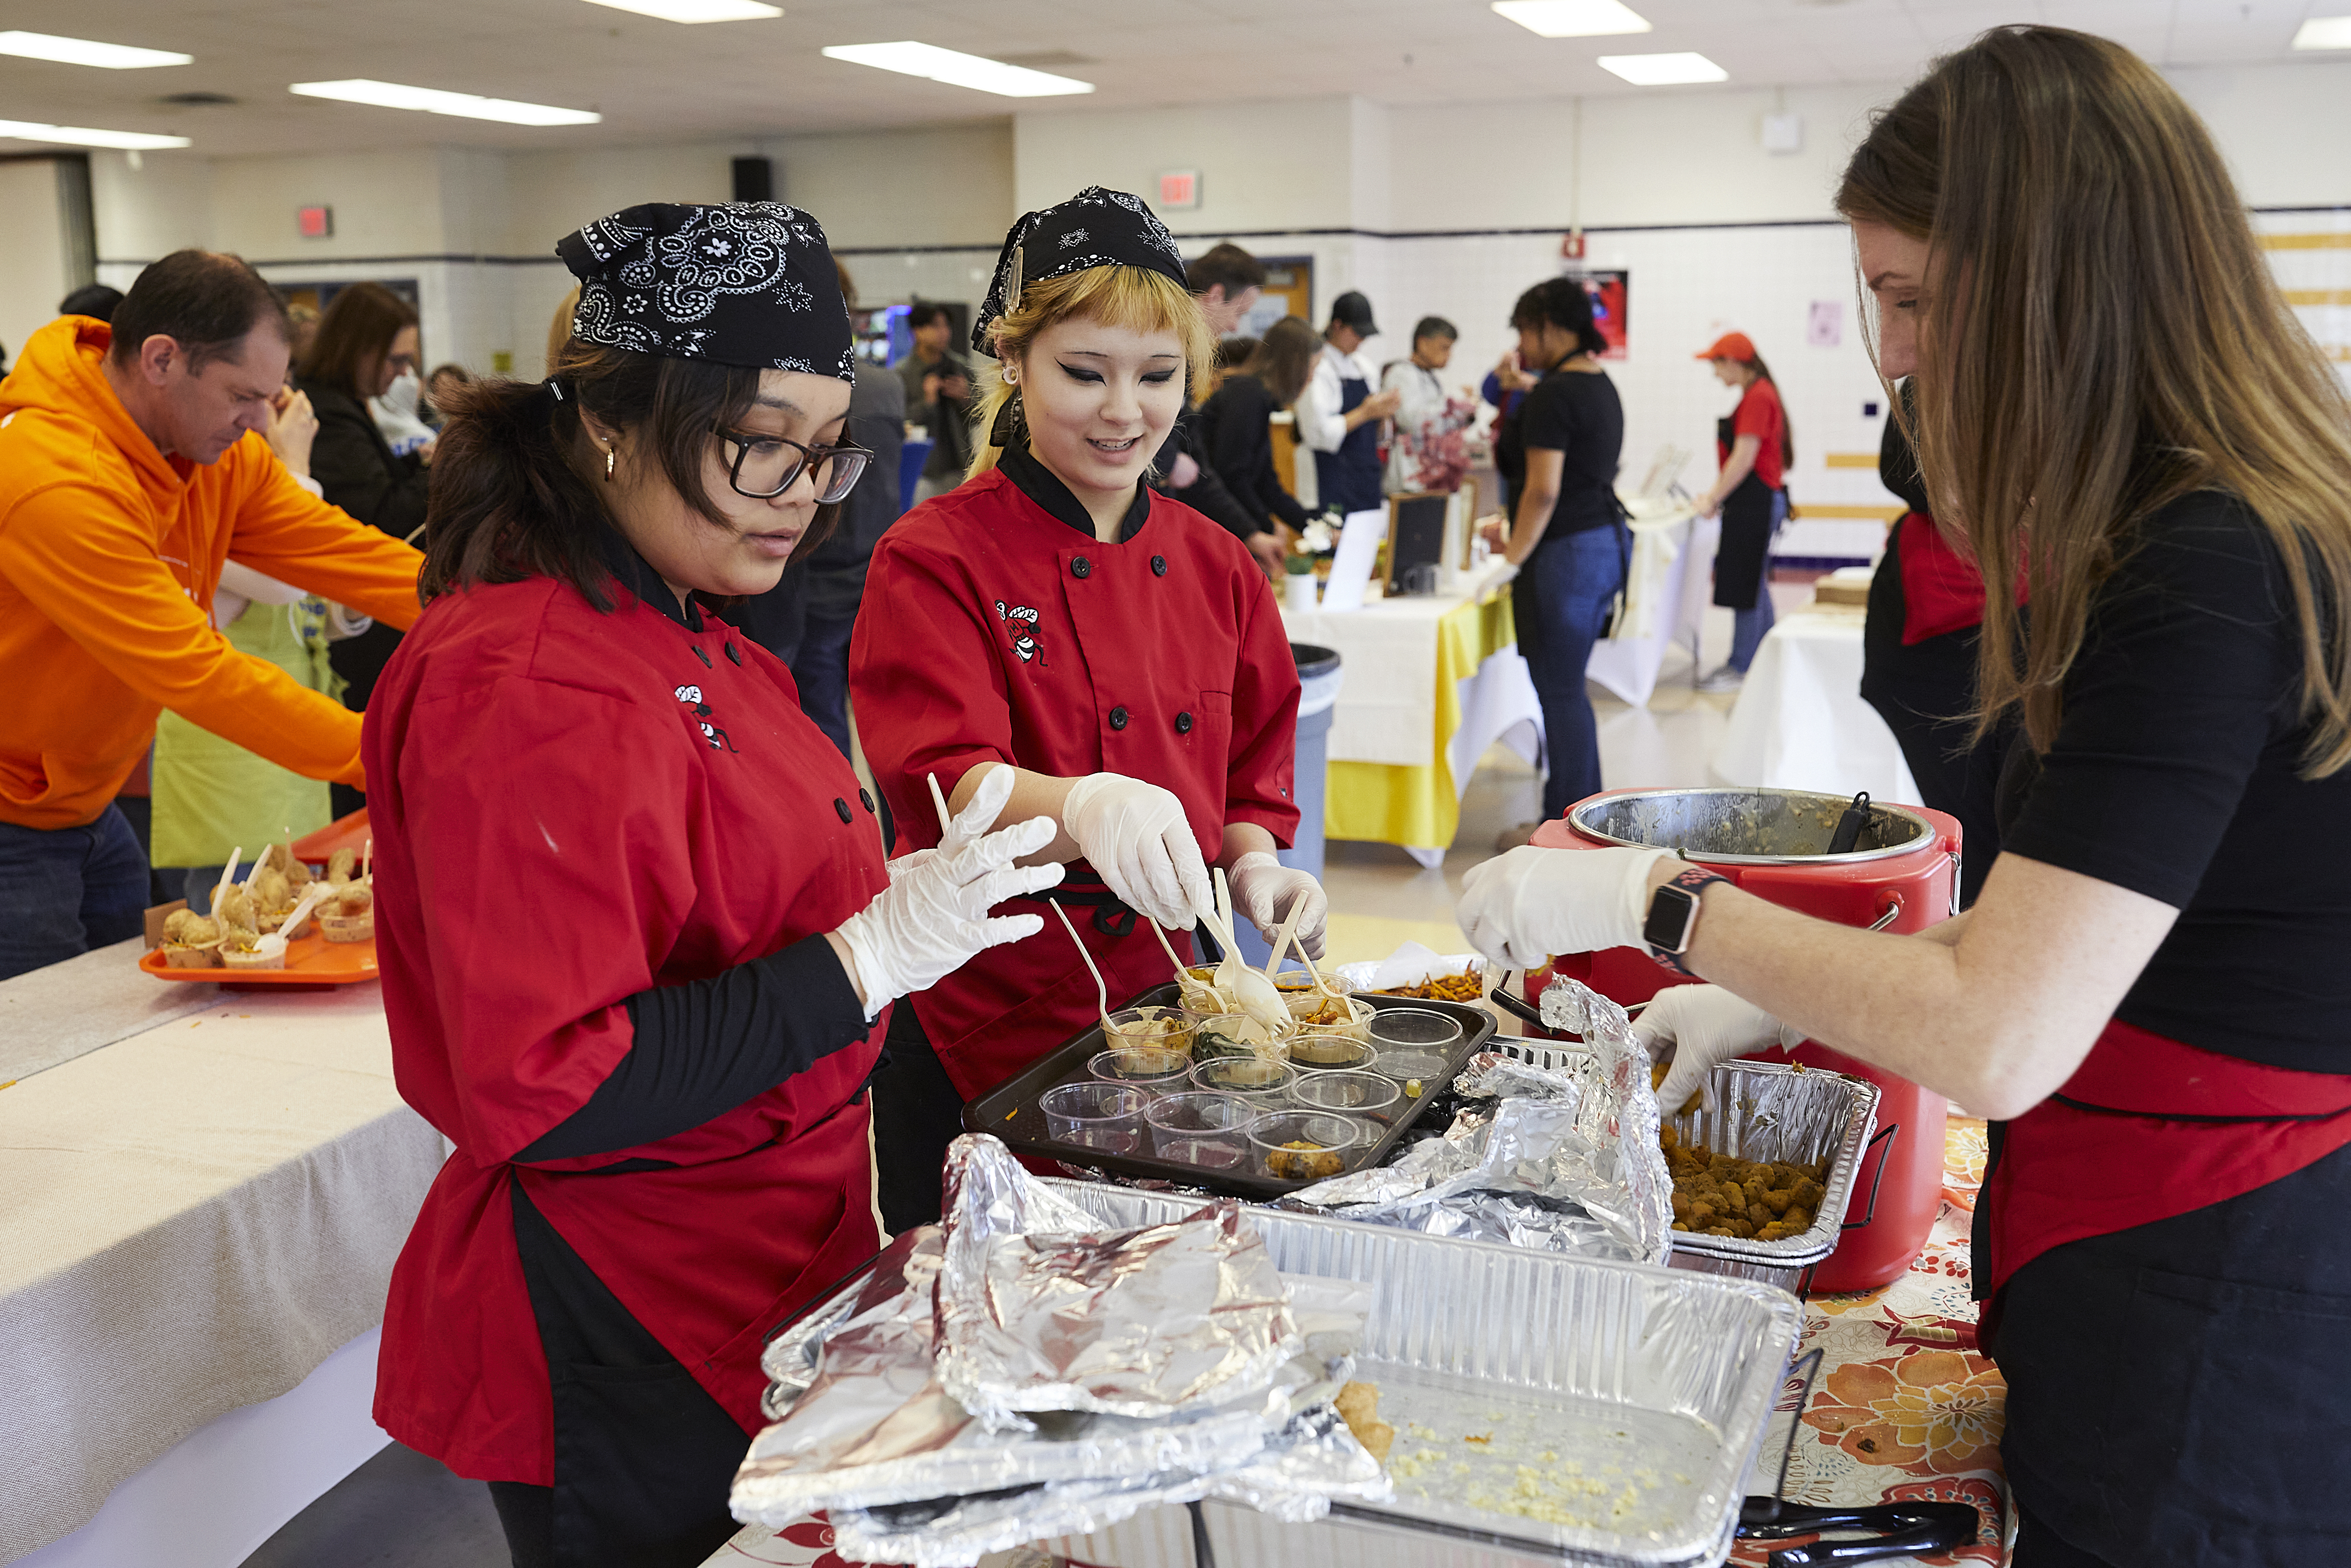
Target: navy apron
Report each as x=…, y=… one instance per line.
x=1348, y=478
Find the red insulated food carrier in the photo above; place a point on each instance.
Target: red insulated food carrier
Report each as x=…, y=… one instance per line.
x=1901, y=873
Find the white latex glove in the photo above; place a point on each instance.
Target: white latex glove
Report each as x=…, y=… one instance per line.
x=1136, y=836
x=933, y=917
x=1526, y=907
x=966, y=827
x=1697, y=1027
x=1265, y=890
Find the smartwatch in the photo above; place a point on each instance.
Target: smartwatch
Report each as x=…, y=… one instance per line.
x=1672, y=919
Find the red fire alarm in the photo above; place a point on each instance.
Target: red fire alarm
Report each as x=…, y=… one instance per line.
x=315, y=223
x=1572, y=246
x=1180, y=188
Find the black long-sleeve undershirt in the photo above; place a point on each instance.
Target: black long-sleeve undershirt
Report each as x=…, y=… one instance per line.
x=703, y=1048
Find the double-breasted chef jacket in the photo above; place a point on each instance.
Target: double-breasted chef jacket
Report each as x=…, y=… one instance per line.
x=579, y=818
x=996, y=628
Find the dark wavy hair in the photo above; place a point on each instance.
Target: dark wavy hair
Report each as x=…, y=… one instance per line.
x=516, y=486
x=1562, y=302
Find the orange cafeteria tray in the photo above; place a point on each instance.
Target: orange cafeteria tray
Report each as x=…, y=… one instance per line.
x=343, y=833
x=310, y=960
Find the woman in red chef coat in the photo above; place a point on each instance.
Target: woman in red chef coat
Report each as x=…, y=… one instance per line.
x=1116, y=652
x=633, y=920
x=2118, y=408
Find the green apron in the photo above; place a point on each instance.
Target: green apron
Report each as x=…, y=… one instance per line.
x=213, y=796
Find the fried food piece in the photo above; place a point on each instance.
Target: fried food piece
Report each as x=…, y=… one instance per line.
x=1302, y=1161
x=356, y=898
x=1465, y=987
x=236, y=911
x=1359, y=1406
x=1718, y=1195
x=186, y=928
x=342, y=865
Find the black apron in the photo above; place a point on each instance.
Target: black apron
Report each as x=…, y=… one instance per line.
x=1348, y=478
x=1746, y=545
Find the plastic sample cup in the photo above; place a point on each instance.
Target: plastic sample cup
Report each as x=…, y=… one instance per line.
x=1365, y=1095
x=1264, y=1083
x=1328, y=1051
x=1201, y=1128
x=1413, y=1028
x=1422, y=1067
x=1153, y=1069
x=1348, y=1015
x=1304, y=1145
x=1163, y=1028
x=1106, y=1116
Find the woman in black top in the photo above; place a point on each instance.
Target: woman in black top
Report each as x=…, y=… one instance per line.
x=2151, y=989
x=1233, y=422
x=365, y=339
x=1568, y=540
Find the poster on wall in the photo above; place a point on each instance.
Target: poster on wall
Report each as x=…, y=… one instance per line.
x=1610, y=290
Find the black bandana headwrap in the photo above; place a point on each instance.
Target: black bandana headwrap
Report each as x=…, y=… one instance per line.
x=743, y=283
x=1093, y=228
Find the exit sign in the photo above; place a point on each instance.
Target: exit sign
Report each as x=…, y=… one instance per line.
x=315, y=223
x=1180, y=188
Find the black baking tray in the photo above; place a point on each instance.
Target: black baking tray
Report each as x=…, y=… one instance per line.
x=1009, y=1110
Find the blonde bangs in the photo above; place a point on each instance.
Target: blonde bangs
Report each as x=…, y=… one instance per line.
x=1129, y=298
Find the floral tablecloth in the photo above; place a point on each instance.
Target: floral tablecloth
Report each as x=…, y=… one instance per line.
x=1906, y=1407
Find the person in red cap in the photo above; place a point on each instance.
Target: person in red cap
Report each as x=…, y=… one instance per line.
x=1754, y=448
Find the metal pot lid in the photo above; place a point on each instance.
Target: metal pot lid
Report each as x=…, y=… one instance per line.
x=1749, y=827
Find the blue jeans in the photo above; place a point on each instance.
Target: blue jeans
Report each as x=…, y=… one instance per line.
x=64, y=890
x=821, y=670
x=1560, y=599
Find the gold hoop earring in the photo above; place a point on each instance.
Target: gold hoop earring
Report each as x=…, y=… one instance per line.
x=610, y=454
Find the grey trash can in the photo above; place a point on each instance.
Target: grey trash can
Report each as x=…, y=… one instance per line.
x=1319, y=677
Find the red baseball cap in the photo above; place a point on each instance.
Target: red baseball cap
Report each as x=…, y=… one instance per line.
x=1730, y=346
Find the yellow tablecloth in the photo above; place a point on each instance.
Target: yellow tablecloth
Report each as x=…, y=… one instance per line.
x=1421, y=805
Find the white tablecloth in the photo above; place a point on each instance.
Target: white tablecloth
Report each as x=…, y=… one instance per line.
x=192, y=1221
x=1801, y=724
x=1387, y=650
x=1671, y=583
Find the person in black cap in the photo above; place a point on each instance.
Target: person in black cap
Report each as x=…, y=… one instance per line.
x=97, y=300
x=1339, y=415
x=635, y=929
x=1115, y=655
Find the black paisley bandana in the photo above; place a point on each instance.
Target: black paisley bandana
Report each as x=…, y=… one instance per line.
x=743, y=283
x=1093, y=228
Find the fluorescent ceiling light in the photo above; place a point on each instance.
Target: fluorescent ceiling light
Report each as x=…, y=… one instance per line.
x=1571, y=19
x=957, y=69
x=431, y=100
x=696, y=10
x=84, y=52
x=82, y=136
x=1663, y=70
x=2324, y=33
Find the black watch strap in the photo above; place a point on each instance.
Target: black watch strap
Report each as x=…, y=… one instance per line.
x=1690, y=880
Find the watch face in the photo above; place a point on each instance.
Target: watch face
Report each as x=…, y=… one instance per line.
x=1671, y=910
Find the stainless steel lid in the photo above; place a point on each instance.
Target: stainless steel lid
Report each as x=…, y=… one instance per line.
x=1749, y=827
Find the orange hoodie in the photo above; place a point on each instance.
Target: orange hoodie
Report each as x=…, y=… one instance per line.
x=109, y=553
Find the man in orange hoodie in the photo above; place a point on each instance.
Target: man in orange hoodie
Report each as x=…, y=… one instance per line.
x=133, y=465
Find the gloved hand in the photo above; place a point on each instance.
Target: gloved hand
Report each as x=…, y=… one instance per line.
x=1136, y=836
x=1697, y=1027
x=1265, y=890
x=1529, y=905
x=933, y=917
x=966, y=827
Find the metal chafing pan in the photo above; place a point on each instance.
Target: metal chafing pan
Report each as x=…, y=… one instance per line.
x=1749, y=827
x=1764, y=1111
x=1637, y=1395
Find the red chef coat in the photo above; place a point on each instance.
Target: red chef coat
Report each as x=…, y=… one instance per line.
x=569, y=808
x=994, y=630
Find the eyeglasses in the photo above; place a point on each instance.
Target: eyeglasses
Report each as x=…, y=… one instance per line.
x=768, y=465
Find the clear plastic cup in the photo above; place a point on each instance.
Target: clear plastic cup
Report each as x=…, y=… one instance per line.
x=1106, y=1116
x=1226, y=1034
x=1413, y=1028
x=1356, y=1019
x=1423, y=1067
x=1304, y=1146
x=1153, y=1069
x=1365, y=1095
x=1328, y=1051
x=1162, y=1029
x=1201, y=1128
x=1264, y=1083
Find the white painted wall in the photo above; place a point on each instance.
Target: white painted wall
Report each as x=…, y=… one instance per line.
x=32, y=264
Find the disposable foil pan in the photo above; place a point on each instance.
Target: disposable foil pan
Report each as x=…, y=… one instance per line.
x=1570, y=1365
x=1764, y=1111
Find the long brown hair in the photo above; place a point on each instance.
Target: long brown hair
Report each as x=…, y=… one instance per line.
x=354, y=335
x=1787, y=427
x=1285, y=359
x=511, y=493
x=2099, y=335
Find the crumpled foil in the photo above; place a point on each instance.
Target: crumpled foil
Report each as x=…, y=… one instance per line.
x=1229, y=1391
x=1565, y=1161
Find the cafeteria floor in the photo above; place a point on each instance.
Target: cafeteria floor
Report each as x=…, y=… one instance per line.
x=402, y=1509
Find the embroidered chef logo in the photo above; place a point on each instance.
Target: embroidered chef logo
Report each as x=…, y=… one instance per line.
x=714, y=737
x=1020, y=624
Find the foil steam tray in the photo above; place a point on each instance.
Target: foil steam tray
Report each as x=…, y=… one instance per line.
x=1626, y=1400
x=1764, y=1111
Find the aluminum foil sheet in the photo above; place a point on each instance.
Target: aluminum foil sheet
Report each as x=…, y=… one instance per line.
x=1565, y=1159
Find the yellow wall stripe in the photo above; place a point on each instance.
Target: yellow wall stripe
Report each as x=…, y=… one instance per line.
x=1850, y=459
x=1824, y=510
x=2338, y=241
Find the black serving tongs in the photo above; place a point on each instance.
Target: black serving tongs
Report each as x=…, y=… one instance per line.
x=1905, y=1529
